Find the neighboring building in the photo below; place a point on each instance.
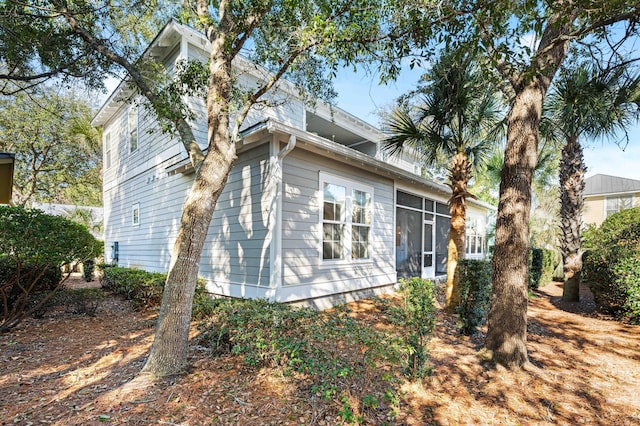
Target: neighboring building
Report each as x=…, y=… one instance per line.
x=311, y=211
x=605, y=195
x=89, y=216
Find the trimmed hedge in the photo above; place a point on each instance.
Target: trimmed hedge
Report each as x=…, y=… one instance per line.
x=611, y=265
x=145, y=289
x=542, y=264
x=474, y=280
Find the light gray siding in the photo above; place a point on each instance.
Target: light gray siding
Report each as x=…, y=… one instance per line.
x=159, y=197
x=237, y=249
x=301, y=231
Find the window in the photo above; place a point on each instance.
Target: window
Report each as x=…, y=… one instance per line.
x=475, y=240
x=617, y=203
x=133, y=128
x=346, y=219
x=107, y=151
x=360, y=224
x=135, y=214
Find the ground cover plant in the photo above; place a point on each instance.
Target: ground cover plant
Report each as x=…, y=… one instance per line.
x=67, y=369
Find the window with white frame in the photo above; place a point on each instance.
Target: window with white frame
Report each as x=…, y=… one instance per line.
x=135, y=214
x=107, y=150
x=475, y=239
x=346, y=219
x=617, y=203
x=133, y=127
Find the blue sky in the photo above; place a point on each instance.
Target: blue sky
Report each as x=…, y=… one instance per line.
x=360, y=95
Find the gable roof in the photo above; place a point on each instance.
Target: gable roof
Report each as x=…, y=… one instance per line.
x=605, y=184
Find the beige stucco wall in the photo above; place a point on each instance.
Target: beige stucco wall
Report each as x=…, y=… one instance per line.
x=593, y=212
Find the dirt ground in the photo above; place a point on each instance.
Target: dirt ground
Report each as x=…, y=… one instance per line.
x=75, y=370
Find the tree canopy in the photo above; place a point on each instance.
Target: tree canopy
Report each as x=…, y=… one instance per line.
x=58, y=152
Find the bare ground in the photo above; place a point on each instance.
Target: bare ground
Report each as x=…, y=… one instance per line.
x=76, y=370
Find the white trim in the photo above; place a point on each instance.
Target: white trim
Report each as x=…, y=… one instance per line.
x=135, y=217
x=617, y=196
x=349, y=186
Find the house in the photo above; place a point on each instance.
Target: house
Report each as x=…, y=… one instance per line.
x=312, y=211
x=89, y=216
x=605, y=195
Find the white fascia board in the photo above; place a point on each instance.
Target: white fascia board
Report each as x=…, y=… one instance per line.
x=335, y=151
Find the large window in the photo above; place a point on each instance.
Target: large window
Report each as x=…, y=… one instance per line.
x=346, y=219
x=617, y=203
x=422, y=232
x=133, y=127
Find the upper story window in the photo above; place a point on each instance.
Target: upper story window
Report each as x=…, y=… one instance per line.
x=133, y=127
x=107, y=150
x=617, y=203
x=346, y=219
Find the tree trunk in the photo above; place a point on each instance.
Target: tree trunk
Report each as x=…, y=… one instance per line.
x=459, y=175
x=572, y=170
x=507, y=324
x=169, y=351
x=506, y=339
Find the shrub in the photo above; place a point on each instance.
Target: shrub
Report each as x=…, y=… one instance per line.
x=419, y=318
x=611, y=266
x=542, y=263
x=609, y=231
x=475, y=293
x=88, y=266
x=145, y=289
x=315, y=347
x=33, y=248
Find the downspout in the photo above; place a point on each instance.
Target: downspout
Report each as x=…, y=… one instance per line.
x=275, y=279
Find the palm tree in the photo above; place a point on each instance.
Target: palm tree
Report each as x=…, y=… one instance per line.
x=597, y=104
x=458, y=118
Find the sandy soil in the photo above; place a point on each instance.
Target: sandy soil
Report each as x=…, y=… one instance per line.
x=76, y=370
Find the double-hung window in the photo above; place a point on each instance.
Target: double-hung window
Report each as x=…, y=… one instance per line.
x=135, y=214
x=346, y=216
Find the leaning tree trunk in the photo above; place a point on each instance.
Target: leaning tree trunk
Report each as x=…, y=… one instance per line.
x=459, y=175
x=169, y=351
x=572, y=170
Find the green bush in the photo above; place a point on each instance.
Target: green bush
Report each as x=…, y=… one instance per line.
x=145, y=289
x=419, y=318
x=474, y=280
x=609, y=231
x=88, y=266
x=314, y=347
x=611, y=266
x=542, y=263
x=33, y=248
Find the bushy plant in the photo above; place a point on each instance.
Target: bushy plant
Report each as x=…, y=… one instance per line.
x=145, y=289
x=315, y=347
x=542, y=263
x=419, y=319
x=33, y=248
x=475, y=293
x=611, y=266
x=88, y=267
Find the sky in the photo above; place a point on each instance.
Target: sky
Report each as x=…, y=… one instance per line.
x=360, y=95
